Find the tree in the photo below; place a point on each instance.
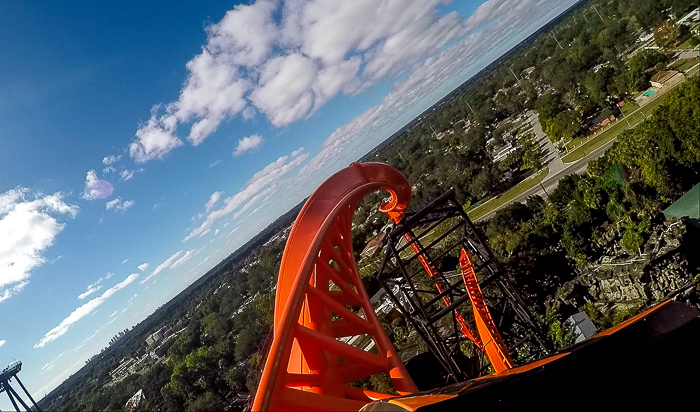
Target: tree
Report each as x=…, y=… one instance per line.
x=532, y=157
x=665, y=34
x=207, y=402
x=481, y=185
x=564, y=126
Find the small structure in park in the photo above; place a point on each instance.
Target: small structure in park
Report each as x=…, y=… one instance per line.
x=580, y=326
x=687, y=207
x=373, y=245
x=9, y=373
x=134, y=401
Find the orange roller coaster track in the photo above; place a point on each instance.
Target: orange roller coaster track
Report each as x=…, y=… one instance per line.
x=321, y=302
x=320, y=298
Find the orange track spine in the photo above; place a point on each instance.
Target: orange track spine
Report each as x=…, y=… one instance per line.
x=320, y=298
x=495, y=349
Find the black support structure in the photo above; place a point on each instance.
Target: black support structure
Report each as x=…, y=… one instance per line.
x=440, y=231
x=6, y=376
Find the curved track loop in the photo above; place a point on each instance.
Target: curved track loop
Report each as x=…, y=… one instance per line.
x=320, y=298
x=493, y=345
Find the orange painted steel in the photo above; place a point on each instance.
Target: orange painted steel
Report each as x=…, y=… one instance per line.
x=464, y=327
x=495, y=349
x=320, y=298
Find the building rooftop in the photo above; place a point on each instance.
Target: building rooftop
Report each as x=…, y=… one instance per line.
x=687, y=207
x=662, y=77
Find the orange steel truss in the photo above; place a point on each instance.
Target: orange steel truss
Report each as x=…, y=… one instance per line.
x=493, y=345
x=320, y=298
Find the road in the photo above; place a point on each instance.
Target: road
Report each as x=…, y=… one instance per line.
x=557, y=169
x=549, y=152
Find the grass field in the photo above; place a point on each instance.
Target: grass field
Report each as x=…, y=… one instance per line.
x=508, y=195
x=685, y=64
x=629, y=107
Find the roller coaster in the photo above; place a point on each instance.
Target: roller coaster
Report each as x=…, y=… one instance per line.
x=321, y=302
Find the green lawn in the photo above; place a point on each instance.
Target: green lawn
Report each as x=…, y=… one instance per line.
x=685, y=64
x=629, y=107
x=508, y=195
x=690, y=42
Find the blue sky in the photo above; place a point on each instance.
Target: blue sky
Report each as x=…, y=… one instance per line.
x=140, y=144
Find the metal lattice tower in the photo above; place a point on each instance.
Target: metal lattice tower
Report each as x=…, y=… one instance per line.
x=435, y=305
x=9, y=373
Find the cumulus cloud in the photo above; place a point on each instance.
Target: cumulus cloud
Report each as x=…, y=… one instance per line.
x=28, y=226
x=154, y=139
x=213, y=199
x=2, y=342
x=267, y=177
x=287, y=59
x=83, y=311
x=108, y=160
x=247, y=144
x=95, y=286
x=126, y=174
x=168, y=262
x=143, y=266
x=119, y=205
x=491, y=24
x=187, y=256
x=109, y=169
x=96, y=188
x=90, y=290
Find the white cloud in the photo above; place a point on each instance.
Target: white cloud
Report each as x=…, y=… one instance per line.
x=2, y=342
x=90, y=290
x=215, y=163
x=213, y=199
x=114, y=314
x=247, y=144
x=95, y=286
x=119, y=205
x=111, y=159
x=288, y=59
x=187, y=256
x=109, y=169
x=28, y=226
x=83, y=311
x=126, y=174
x=156, y=206
x=268, y=176
x=494, y=22
x=124, y=261
x=154, y=139
x=96, y=188
x=169, y=261
x=143, y=266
